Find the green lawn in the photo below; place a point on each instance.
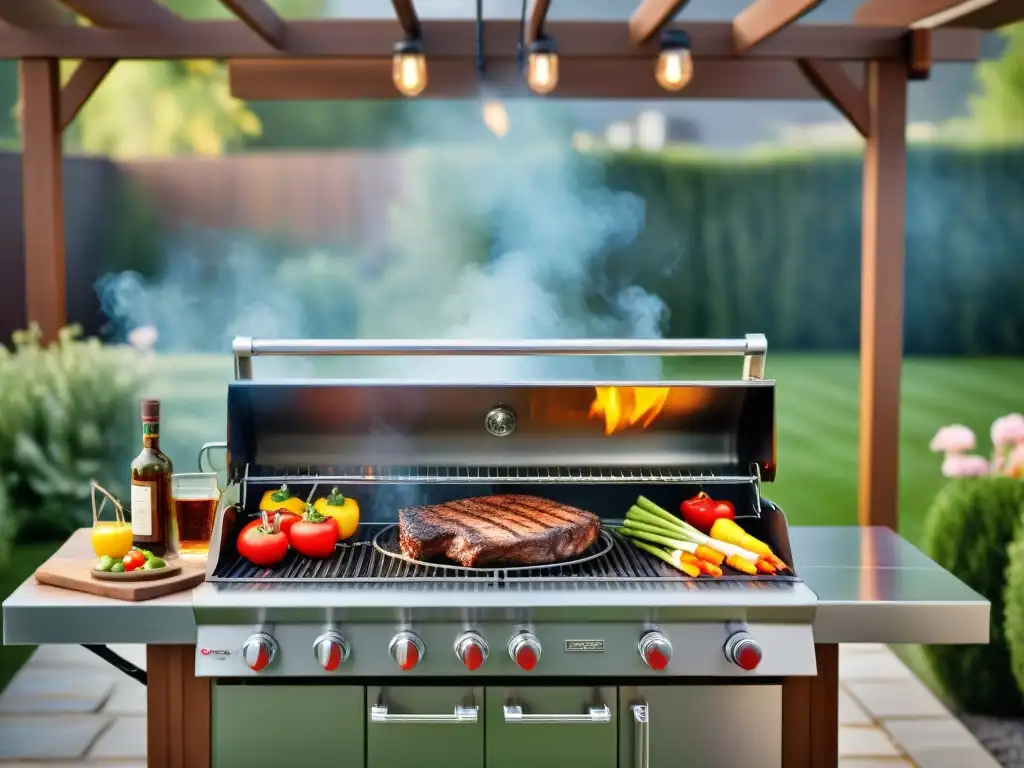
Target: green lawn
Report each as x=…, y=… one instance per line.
x=817, y=432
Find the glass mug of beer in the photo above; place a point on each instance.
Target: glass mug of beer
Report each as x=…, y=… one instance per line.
x=194, y=497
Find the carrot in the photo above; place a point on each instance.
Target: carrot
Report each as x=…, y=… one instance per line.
x=709, y=554
x=729, y=531
x=777, y=563
x=709, y=568
x=741, y=564
x=765, y=567
x=686, y=557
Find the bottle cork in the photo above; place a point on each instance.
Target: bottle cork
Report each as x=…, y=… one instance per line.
x=151, y=410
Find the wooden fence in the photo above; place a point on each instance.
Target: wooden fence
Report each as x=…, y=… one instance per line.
x=303, y=198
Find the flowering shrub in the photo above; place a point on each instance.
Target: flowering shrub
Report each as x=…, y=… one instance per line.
x=956, y=441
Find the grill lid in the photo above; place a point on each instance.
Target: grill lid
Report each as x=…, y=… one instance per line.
x=719, y=427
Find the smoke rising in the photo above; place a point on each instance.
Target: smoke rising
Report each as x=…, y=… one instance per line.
x=500, y=238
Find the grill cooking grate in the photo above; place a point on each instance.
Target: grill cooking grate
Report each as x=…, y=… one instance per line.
x=479, y=475
x=359, y=562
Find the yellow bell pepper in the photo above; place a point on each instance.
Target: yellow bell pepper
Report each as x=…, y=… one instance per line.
x=284, y=499
x=342, y=509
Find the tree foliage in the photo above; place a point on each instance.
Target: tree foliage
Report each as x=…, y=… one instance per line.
x=998, y=110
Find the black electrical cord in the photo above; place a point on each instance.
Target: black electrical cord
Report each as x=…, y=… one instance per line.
x=118, y=662
x=521, y=45
x=480, y=37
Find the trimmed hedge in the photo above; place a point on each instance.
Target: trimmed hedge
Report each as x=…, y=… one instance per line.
x=772, y=244
x=968, y=531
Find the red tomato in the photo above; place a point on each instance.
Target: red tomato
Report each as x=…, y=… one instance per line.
x=133, y=560
x=314, y=535
x=262, y=546
x=701, y=511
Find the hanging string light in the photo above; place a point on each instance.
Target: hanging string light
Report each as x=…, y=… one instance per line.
x=409, y=68
x=674, y=69
x=542, y=65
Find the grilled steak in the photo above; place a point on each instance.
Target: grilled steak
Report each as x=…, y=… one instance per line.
x=512, y=529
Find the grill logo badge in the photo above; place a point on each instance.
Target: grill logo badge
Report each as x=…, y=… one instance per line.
x=216, y=653
x=584, y=646
x=500, y=421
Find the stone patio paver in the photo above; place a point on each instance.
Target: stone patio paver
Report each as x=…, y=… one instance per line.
x=49, y=737
x=124, y=740
x=888, y=719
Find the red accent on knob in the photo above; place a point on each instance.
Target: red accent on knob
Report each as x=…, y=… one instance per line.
x=656, y=660
x=748, y=658
x=526, y=658
x=333, y=658
x=262, y=659
x=473, y=657
x=408, y=658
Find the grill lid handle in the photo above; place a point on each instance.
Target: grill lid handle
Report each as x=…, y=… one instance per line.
x=753, y=348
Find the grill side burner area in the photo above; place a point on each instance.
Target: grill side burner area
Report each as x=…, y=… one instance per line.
x=621, y=659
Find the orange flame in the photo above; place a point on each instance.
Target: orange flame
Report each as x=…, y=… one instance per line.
x=622, y=407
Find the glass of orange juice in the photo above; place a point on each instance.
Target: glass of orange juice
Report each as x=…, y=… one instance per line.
x=109, y=537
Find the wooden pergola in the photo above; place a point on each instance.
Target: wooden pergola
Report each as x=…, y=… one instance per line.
x=862, y=68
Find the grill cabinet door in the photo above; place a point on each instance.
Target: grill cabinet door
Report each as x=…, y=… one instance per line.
x=424, y=727
x=287, y=725
x=713, y=726
x=551, y=727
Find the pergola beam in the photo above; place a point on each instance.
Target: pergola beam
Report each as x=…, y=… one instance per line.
x=652, y=16
x=36, y=14
x=884, y=192
x=82, y=84
x=457, y=78
x=409, y=20
x=834, y=85
x=333, y=39
x=116, y=14
x=536, y=18
x=928, y=14
x=764, y=18
x=261, y=19
x=42, y=196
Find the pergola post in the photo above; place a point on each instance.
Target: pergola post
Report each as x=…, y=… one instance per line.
x=882, y=255
x=42, y=196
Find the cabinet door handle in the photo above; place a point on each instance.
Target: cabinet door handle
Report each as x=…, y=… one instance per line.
x=514, y=714
x=380, y=714
x=641, y=735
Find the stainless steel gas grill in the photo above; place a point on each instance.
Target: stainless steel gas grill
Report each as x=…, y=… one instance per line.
x=613, y=658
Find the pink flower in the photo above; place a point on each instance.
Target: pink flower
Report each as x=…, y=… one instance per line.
x=956, y=438
x=1008, y=430
x=965, y=465
x=1015, y=463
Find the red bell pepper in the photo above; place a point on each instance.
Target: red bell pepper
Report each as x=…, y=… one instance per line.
x=702, y=511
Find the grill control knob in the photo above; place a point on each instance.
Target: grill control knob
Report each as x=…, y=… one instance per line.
x=331, y=650
x=743, y=651
x=471, y=648
x=524, y=649
x=407, y=650
x=655, y=650
x=259, y=651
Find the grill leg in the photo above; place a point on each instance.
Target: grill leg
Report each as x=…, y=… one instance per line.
x=810, y=714
x=178, y=706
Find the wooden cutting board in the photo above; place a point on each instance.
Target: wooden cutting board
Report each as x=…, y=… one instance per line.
x=76, y=573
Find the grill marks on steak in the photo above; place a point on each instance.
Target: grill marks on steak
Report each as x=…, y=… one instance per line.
x=510, y=528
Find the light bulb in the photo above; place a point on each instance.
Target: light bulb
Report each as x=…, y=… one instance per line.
x=496, y=118
x=542, y=66
x=409, y=68
x=674, y=70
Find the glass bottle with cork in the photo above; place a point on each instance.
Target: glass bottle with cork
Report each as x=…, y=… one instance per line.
x=151, y=484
